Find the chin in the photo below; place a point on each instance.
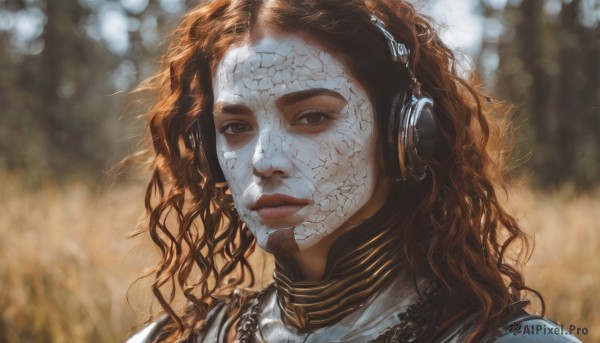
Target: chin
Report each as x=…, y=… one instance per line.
x=286, y=241
x=282, y=242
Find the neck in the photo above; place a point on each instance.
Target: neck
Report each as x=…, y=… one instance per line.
x=311, y=262
x=357, y=265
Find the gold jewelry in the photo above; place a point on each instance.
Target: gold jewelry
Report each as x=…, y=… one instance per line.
x=355, y=276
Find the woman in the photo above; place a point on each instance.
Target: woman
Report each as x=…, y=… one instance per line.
x=338, y=136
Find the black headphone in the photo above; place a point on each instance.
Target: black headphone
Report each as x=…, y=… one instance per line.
x=411, y=133
x=408, y=142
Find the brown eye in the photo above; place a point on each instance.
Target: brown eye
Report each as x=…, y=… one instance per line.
x=235, y=128
x=313, y=118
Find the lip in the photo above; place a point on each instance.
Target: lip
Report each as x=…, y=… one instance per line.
x=277, y=206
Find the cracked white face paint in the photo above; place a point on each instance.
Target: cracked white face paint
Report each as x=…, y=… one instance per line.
x=295, y=140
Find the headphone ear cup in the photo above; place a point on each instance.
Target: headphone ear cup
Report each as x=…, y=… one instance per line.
x=426, y=129
x=391, y=131
x=416, y=137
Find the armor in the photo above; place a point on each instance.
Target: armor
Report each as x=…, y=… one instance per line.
x=382, y=317
x=369, y=323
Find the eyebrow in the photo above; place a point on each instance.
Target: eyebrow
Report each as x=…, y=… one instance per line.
x=225, y=108
x=284, y=100
x=295, y=97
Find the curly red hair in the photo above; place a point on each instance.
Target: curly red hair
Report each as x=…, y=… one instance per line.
x=452, y=224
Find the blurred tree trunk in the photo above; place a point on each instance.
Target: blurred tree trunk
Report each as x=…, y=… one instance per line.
x=549, y=65
x=73, y=92
x=537, y=60
x=570, y=87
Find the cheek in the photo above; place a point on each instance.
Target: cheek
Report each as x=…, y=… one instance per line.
x=235, y=165
x=339, y=166
x=347, y=151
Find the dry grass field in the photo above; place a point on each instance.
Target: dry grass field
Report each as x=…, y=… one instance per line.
x=565, y=266
x=66, y=264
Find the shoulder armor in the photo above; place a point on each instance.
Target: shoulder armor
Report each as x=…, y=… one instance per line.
x=517, y=327
x=145, y=335
x=216, y=325
x=150, y=332
x=533, y=329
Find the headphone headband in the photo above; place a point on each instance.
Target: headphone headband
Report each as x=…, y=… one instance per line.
x=399, y=51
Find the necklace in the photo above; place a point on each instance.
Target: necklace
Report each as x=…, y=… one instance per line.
x=414, y=323
x=348, y=282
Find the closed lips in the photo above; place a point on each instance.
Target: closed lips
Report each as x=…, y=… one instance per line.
x=278, y=209
x=277, y=200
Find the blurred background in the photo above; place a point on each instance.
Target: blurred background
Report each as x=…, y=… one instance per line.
x=67, y=117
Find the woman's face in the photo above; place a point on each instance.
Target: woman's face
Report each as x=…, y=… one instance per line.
x=295, y=140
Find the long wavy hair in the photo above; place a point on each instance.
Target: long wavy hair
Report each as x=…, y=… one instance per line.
x=453, y=226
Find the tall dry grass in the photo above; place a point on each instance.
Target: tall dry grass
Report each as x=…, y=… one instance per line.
x=565, y=265
x=66, y=264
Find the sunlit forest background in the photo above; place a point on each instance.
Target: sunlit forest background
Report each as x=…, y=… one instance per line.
x=67, y=117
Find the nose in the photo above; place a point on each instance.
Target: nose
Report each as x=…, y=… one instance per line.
x=272, y=155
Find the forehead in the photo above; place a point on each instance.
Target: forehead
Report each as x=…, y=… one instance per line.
x=278, y=65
